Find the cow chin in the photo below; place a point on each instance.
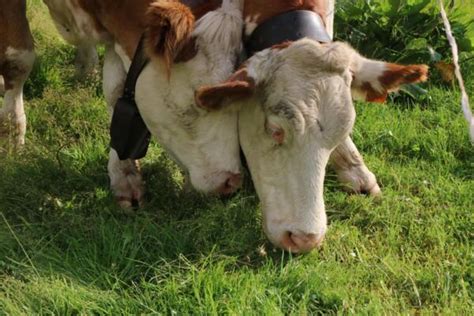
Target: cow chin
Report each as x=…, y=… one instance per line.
x=216, y=182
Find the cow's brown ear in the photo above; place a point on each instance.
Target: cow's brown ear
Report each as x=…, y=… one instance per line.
x=169, y=28
x=239, y=85
x=375, y=79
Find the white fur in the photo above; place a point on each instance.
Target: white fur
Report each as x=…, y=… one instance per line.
x=352, y=171
x=13, y=112
x=114, y=74
x=123, y=56
x=366, y=71
x=305, y=81
x=25, y=57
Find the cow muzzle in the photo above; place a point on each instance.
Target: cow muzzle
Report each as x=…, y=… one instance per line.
x=300, y=242
x=295, y=240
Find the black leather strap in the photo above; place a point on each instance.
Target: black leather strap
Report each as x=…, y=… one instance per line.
x=130, y=136
x=289, y=26
x=136, y=67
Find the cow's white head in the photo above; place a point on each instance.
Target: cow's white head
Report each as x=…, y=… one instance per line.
x=185, y=55
x=297, y=107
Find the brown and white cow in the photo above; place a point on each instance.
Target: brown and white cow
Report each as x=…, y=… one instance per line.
x=297, y=111
x=16, y=61
x=346, y=159
x=189, y=43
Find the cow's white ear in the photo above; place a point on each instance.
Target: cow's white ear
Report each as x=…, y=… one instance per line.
x=239, y=85
x=373, y=80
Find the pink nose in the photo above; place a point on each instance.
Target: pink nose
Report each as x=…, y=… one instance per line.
x=298, y=243
x=232, y=183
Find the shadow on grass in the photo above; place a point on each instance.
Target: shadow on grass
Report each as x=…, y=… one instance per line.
x=67, y=221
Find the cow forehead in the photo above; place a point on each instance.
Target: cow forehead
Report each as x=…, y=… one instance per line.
x=305, y=57
x=297, y=81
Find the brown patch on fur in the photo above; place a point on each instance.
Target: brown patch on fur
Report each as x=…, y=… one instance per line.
x=393, y=78
x=281, y=46
x=14, y=34
x=239, y=85
x=372, y=95
x=397, y=75
x=169, y=28
x=188, y=52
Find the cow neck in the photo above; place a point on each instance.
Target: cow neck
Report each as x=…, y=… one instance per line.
x=289, y=26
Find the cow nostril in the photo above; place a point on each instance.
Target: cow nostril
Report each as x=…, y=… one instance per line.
x=299, y=243
x=306, y=242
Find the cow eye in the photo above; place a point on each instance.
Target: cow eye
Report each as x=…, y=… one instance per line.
x=276, y=132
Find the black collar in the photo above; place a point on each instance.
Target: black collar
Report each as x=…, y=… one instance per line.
x=289, y=26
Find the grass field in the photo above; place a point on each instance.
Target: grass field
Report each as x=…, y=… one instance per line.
x=66, y=248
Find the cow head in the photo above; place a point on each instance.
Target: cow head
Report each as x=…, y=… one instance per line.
x=297, y=107
x=184, y=55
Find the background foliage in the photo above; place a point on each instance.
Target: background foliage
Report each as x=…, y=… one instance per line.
x=403, y=31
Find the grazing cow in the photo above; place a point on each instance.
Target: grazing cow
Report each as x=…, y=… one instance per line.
x=296, y=109
x=346, y=159
x=299, y=107
x=189, y=43
x=16, y=61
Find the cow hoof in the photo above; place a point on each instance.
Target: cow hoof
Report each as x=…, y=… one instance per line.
x=129, y=192
x=374, y=191
x=360, y=181
x=129, y=204
x=127, y=186
x=12, y=131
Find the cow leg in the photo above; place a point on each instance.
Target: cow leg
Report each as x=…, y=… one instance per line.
x=86, y=59
x=12, y=116
x=125, y=176
x=352, y=171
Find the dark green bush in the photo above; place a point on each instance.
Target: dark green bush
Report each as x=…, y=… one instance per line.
x=401, y=30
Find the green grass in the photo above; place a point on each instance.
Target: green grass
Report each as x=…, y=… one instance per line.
x=66, y=248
